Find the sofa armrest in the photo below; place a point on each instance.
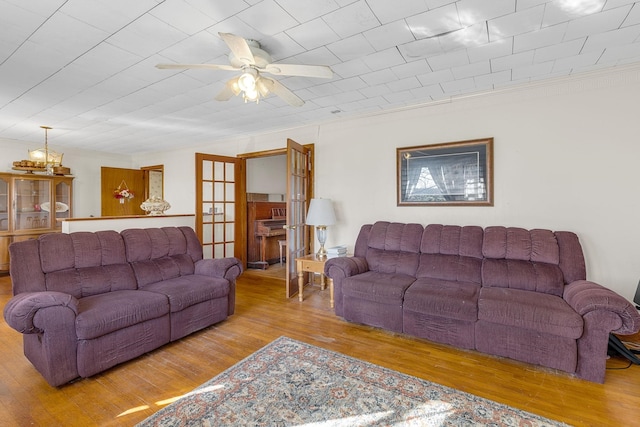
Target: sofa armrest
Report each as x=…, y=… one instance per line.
x=21, y=310
x=227, y=268
x=586, y=297
x=338, y=269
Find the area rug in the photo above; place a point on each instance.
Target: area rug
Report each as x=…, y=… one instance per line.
x=291, y=383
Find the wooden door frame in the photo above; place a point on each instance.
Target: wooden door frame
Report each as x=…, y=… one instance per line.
x=242, y=203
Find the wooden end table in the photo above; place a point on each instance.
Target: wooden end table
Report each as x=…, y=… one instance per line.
x=313, y=264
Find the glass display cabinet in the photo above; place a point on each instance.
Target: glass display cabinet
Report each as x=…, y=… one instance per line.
x=30, y=205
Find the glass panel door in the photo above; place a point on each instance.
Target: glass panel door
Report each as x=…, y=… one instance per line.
x=32, y=204
x=4, y=205
x=216, y=196
x=298, y=171
x=63, y=202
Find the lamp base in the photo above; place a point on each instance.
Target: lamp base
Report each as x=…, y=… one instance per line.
x=321, y=230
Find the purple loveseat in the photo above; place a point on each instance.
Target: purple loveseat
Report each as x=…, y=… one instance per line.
x=509, y=292
x=88, y=301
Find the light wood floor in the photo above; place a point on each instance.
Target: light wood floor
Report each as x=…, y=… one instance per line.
x=132, y=391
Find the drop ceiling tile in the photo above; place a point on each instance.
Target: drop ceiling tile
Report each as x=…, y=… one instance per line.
x=351, y=47
x=634, y=16
x=267, y=17
x=434, y=22
x=352, y=19
x=448, y=60
x=493, y=79
x=472, y=70
x=319, y=56
x=40, y=7
x=597, y=23
x=385, y=59
x=379, y=77
x=409, y=69
x=146, y=36
x=531, y=71
x=462, y=85
x=621, y=53
x=556, y=51
x=404, y=84
x=475, y=35
x=313, y=34
x=517, y=23
x=527, y=4
x=307, y=10
x=436, y=77
x=496, y=49
x=513, y=61
x=199, y=48
x=109, y=15
x=563, y=11
x=218, y=10
x=474, y=11
x=601, y=41
x=376, y=90
x=388, y=11
x=350, y=68
x=181, y=15
x=389, y=35
x=352, y=83
x=281, y=46
x=420, y=49
x=428, y=93
x=536, y=39
x=67, y=36
x=577, y=62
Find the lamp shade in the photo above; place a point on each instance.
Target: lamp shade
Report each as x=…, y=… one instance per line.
x=321, y=212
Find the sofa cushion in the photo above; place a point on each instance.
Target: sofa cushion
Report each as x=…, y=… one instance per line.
x=522, y=259
x=386, y=288
x=452, y=240
x=529, y=310
x=394, y=247
x=83, y=282
x=168, y=267
x=101, y=314
x=443, y=298
x=185, y=291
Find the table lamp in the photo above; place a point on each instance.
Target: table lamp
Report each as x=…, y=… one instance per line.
x=321, y=215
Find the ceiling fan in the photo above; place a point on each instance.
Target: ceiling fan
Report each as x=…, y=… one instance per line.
x=247, y=56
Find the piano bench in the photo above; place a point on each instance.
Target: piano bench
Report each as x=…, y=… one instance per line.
x=281, y=243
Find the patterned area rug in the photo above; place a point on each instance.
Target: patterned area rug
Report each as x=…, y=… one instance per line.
x=290, y=383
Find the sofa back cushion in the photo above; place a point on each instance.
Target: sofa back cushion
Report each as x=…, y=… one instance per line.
x=161, y=253
x=394, y=247
x=451, y=252
x=83, y=263
x=522, y=259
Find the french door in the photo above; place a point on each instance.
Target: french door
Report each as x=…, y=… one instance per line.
x=299, y=189
x=219, y=205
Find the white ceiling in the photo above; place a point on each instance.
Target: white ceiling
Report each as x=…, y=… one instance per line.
x=87, y=67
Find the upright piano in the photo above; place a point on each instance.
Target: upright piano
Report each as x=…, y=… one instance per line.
x=266, y=228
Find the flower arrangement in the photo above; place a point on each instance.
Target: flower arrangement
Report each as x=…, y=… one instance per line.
x=123, y=193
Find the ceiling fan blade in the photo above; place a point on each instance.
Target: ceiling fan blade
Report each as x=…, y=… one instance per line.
x=190, y=66
x=321, y=71
x=239, y=47
x=279, y=89
x=229, y=90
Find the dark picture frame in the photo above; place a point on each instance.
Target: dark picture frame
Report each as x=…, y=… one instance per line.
x=447, y=174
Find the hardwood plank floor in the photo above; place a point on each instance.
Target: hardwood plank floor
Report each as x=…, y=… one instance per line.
x=134, y=390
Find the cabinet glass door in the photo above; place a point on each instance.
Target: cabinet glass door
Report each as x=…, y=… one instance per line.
x=63, y=202
x=32, y=199
x=4, y=205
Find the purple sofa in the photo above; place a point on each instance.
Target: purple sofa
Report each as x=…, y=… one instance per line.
x=509, y=292
x=88, y=301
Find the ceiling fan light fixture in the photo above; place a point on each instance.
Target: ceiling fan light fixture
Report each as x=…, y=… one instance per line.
x=247, y=81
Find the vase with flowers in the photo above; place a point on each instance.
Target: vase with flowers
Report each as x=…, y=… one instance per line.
x=123, y=193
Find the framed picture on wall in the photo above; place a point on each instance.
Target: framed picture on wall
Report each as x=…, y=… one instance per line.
x=448, y=174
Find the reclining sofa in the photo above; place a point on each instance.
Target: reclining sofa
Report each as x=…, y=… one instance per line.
x=86, y=302
x=510, y=292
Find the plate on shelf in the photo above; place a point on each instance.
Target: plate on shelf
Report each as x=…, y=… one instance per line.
x=60, y=207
